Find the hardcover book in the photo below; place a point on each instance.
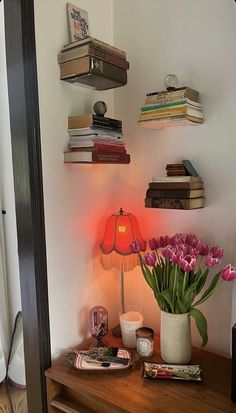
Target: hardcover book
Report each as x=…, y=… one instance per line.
x=93, y=72
x=96, y=43
x=190, y=168
x=98, y=147
x=176, y=185
x=174, y=193
x=176, y=179
x=193, y=203
x=96, y=157
x=90, y=50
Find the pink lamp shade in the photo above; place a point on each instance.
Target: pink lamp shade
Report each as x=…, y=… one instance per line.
x=121, y=230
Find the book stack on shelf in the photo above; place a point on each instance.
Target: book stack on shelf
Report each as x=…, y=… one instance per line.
x=182, y=188
x=171, y=107
x=93, y=63
x=95, y=139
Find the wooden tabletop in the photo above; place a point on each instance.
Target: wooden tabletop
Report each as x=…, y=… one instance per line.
x=127, y=392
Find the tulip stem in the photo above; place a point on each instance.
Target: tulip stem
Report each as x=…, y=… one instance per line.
x=185, y=282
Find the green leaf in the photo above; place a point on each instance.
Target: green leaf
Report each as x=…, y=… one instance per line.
x=209, y=291
x=167, y=296
x=201, y=324
x=148, y=275
x=201, y=280
x=171, y=280
x=156, y=280
x=179, y=288
x=189, y=296
x=162, y=302
x=159, y=274
x=182, y=307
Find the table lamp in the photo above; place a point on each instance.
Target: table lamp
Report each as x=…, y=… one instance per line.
x=120, y=231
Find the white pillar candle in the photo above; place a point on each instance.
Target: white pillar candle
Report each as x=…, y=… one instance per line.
x=129, y=323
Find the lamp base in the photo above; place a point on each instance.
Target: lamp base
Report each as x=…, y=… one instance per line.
x=116, y=331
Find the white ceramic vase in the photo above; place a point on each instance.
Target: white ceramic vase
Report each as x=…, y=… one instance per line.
x=175, y=338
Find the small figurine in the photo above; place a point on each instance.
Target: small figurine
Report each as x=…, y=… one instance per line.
x=100, y=108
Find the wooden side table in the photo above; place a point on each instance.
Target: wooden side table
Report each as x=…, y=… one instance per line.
x=75, y=391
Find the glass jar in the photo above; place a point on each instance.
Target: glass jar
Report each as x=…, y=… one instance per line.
x=145, y=341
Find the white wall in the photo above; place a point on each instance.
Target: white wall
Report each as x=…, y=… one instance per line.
x=6, y=184
x=196, y=41
x=78, y=198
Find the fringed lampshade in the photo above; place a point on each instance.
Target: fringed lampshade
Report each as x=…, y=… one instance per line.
x=121, y=230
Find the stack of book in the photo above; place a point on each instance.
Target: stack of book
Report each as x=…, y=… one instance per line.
x=181, y=169
x=173, y=107
x=176, y=191
x=93, y=63
x=176, y=169
x=95, y=139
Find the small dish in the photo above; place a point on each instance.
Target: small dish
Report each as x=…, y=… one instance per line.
x=189, y=372
x=84, y=362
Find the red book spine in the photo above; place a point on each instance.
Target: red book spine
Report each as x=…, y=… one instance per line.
x=108, y=57
x=109, y=157
x=100, y=147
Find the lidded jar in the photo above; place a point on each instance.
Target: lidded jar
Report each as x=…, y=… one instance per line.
x=145, y=341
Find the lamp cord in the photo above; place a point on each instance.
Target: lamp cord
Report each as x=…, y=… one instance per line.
x=122, y=294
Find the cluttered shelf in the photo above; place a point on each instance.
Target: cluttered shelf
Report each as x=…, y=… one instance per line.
x=87, y=60
x=171, y=107
x=126, y=390
x=95, y=139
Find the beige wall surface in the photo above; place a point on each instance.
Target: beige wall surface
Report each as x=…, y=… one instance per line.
x=196, y=41
x=78, y=198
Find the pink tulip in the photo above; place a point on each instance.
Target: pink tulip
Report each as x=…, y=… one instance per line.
x=187, y=263
x=217, y=252
x=164, y=241
x=192, y=240
x=176, y=256
x=214, y=257
x=149, y=258
x=203, y=248
x=228, y=273
x=211, y=262
x=168, y=252
x=178, y=239
x=153, y=244
x=135, y=247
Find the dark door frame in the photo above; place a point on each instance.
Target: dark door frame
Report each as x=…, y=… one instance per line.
x=28, y=186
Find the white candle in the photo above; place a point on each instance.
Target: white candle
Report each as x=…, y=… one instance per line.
x=129, y=323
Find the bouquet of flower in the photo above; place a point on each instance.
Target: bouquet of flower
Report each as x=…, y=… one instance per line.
x=177, y=268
